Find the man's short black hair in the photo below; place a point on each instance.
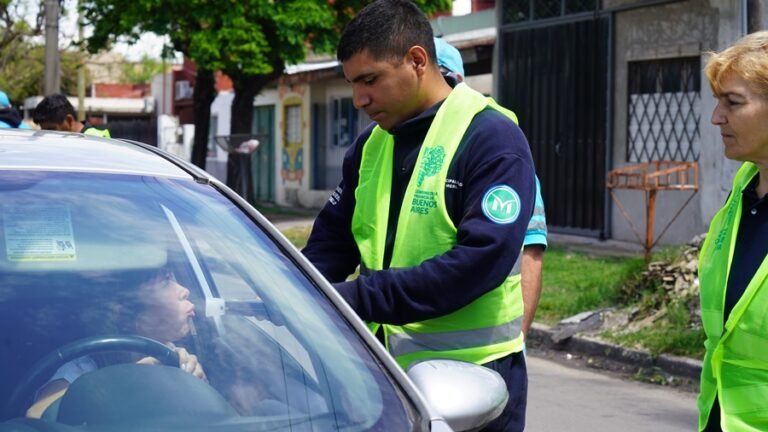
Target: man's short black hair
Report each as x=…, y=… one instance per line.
x=387, y=29
x=53, y=109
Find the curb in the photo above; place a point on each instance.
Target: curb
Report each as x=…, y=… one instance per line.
x=674, y=365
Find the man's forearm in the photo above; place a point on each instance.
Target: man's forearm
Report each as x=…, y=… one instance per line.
x=530, y=273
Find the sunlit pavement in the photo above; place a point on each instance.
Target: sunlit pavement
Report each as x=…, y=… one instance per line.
x=563, y=398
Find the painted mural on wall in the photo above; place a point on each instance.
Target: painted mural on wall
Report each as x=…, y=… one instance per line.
x=292, y=129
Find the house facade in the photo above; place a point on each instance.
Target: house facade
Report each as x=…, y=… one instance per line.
x=617, y=83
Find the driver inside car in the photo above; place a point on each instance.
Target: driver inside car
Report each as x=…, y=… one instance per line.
x=161, y=312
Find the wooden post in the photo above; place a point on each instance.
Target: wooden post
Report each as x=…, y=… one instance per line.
x=651, y=210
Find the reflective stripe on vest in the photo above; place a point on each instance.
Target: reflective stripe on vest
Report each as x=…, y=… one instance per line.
x=735, y=367
x=409, y=343
x=484, y=330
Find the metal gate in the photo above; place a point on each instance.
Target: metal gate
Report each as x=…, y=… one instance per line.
x=263, y=159
x=137, y=129
x=555, y=77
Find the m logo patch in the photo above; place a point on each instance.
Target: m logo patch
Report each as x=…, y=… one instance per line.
x=501, y=204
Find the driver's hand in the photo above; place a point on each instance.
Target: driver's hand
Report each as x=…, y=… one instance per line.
x=189, y=363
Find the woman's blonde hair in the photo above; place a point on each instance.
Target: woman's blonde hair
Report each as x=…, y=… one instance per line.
x=747, y=58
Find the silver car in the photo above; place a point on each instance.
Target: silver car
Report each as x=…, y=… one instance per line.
x=139, y=293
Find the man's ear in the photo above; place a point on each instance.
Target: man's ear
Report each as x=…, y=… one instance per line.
x=69, y=122
x=418, y=58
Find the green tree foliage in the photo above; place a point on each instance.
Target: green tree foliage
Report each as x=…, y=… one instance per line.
x=22, y=59
x=14, y=27
x=142, y=71
x=14, y=31
x=23, y=75
x=249, y=40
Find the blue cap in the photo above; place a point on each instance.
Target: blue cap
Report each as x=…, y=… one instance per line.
x=4, y=102
x=449, y=57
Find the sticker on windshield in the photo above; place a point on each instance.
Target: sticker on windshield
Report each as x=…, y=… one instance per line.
x=39, y=233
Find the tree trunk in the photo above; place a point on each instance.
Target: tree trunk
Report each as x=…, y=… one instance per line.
x=241, y=126
x=205, y=93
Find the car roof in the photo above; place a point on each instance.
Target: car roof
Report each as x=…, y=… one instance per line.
x=36, y=150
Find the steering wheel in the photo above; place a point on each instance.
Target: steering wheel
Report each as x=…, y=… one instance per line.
x=42, y=370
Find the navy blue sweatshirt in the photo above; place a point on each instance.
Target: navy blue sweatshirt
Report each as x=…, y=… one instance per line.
x=492, y=152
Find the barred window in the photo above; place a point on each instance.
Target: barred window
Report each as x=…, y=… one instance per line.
x=664, y=110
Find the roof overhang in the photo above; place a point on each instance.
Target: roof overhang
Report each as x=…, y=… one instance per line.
x=106, y=105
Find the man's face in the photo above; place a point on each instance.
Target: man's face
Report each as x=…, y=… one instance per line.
x=387, y=90
x=68, y=125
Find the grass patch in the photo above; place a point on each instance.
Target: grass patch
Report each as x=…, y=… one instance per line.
x=297, y=235
x=671, y=335
x=574, y=282
x=270, y=210
x=664, y=339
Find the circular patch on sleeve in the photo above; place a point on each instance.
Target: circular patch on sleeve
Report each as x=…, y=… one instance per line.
x=501, y=204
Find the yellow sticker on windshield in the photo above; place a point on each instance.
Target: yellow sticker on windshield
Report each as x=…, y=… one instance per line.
x=39, y=233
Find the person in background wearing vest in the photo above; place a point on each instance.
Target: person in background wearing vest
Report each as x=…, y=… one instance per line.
x=433, y=206
x=733, y=264
x=9, y=116
x=55, y=112
x=535, y=242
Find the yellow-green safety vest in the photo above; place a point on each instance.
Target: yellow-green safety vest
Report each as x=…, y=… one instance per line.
x=92, y=131
x=487, y=329
x=735, y=367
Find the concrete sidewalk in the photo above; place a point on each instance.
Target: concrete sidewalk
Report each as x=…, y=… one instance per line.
x=596, y=246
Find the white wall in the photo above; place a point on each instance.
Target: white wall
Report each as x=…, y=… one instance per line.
x=221, y=107
x=162, y=91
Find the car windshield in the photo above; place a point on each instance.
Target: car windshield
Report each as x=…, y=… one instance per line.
x=96, y=267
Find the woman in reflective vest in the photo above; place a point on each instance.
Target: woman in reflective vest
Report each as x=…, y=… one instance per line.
x=733, y=269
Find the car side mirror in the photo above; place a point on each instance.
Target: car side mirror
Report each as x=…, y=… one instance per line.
x=466, y=395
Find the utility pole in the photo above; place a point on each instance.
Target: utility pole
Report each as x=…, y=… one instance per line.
x=52, y=75
x=81, y=66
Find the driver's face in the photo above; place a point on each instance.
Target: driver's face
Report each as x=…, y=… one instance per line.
x=166, y=312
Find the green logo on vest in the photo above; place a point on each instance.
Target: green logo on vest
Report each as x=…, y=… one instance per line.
x=431, y=163
x=423, y=202
x=725, y=224
x=501, y=204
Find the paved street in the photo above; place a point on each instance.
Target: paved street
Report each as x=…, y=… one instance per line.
x=563, y=398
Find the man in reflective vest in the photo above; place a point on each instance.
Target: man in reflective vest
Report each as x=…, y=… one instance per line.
x=433, y=206
x=55, y=112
